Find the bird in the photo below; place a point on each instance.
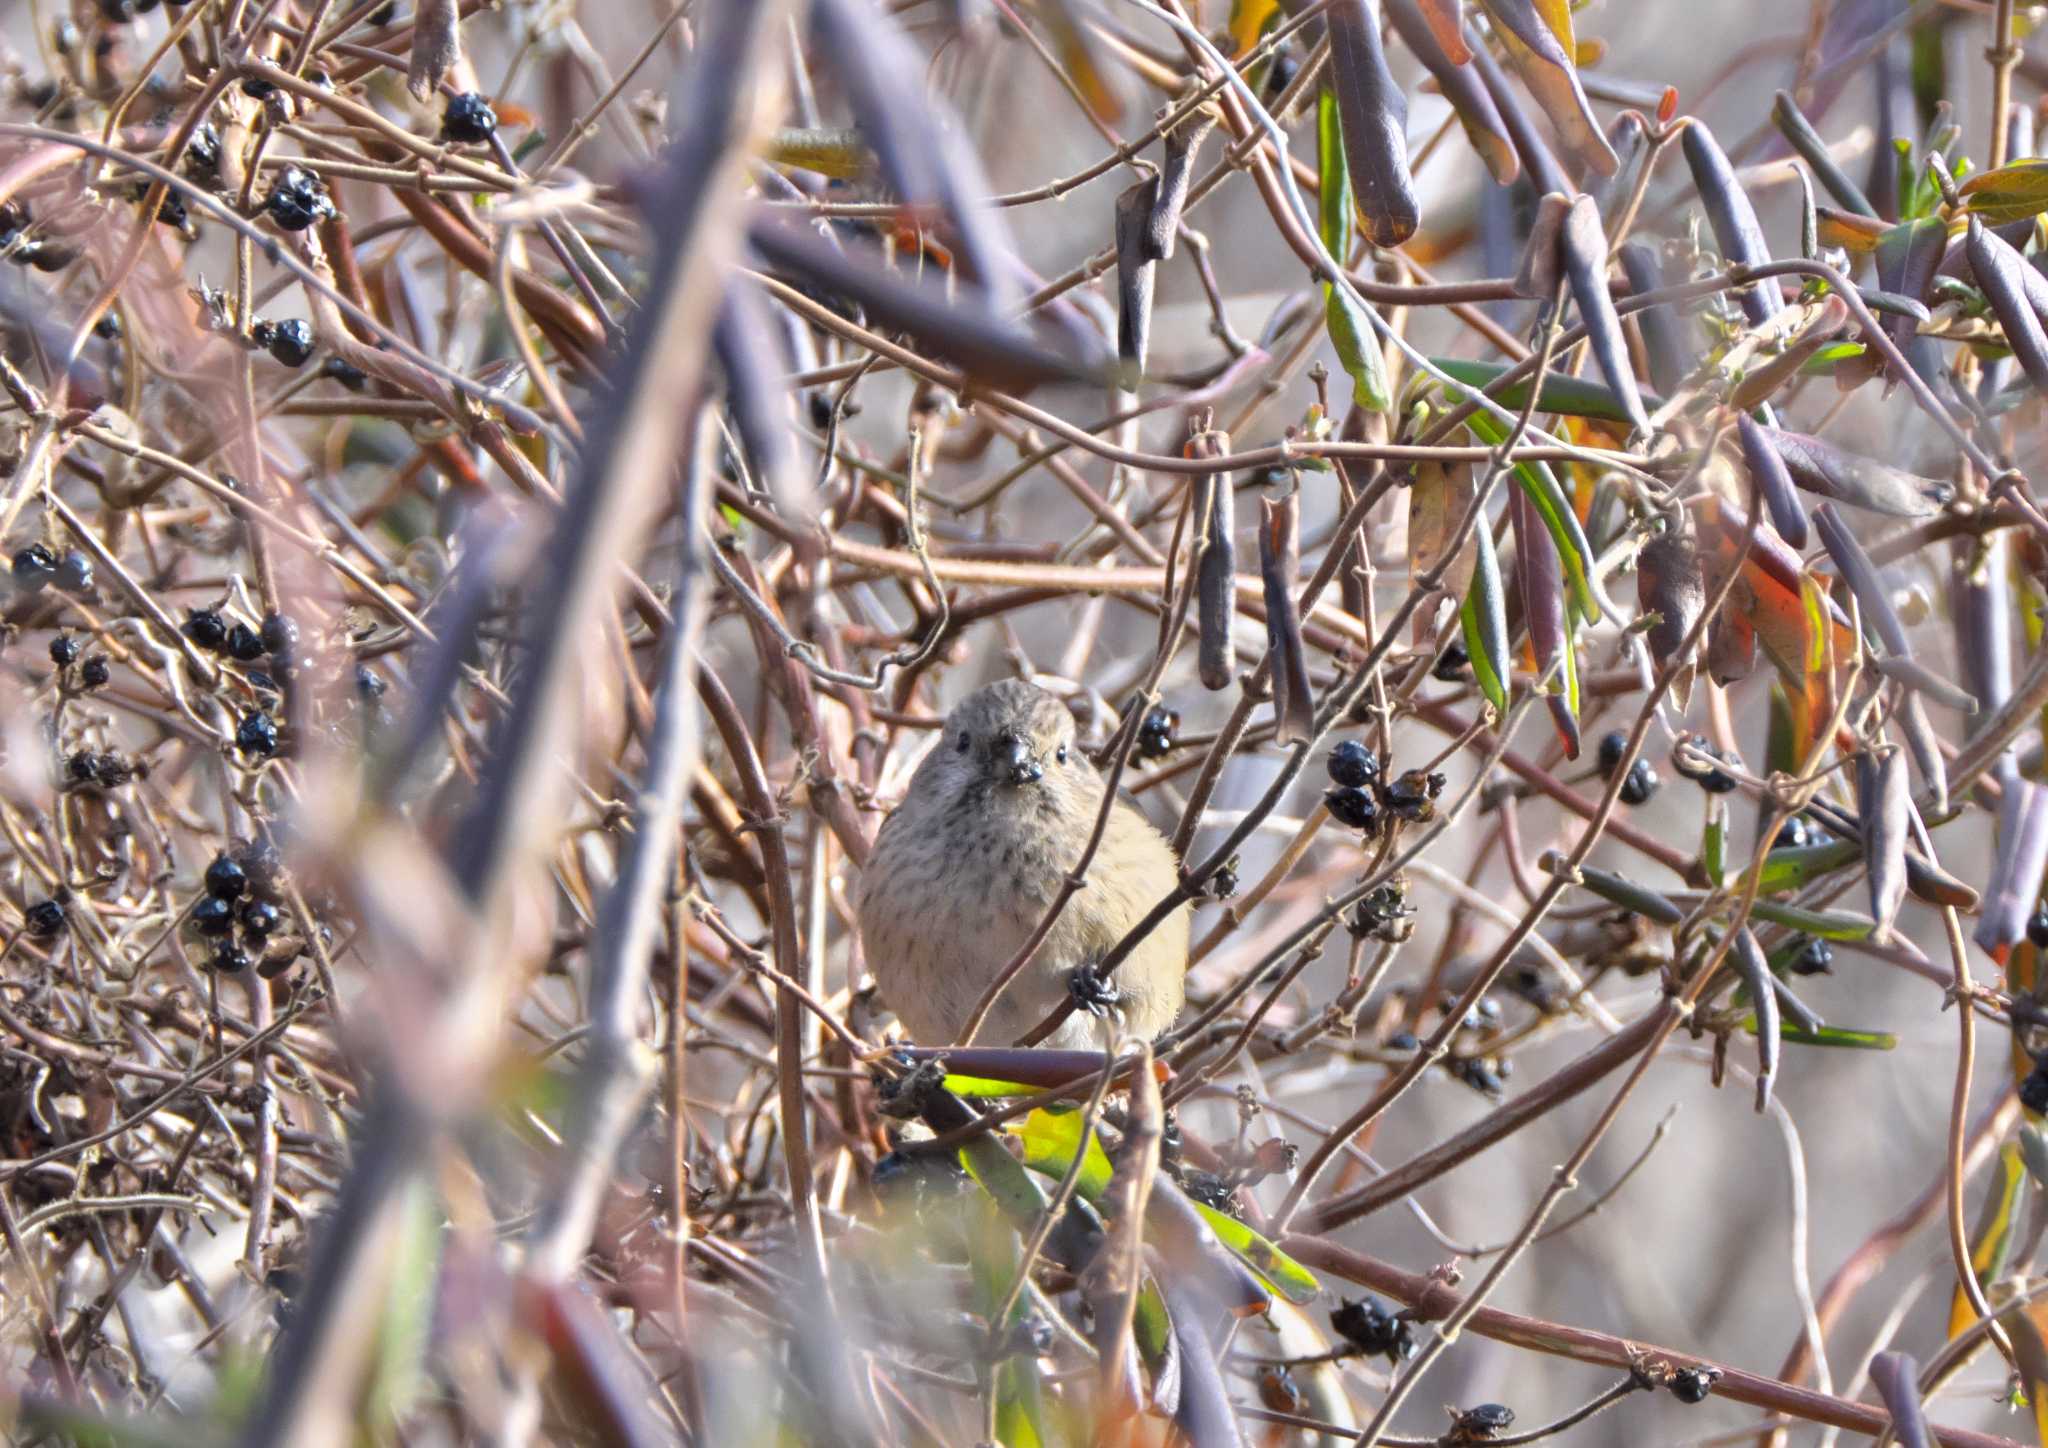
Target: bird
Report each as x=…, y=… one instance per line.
x=965, y=868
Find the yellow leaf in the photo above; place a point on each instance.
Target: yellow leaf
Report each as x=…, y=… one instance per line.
x=1248, y=20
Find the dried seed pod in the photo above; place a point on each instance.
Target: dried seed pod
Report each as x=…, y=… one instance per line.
x=1885, y=803
x=1542, y=58
x=1767, y=473
x=1898, y=1382
x=1669, y=582
x=1541, y=576
x=1917, y=677
x=1861, y=575
x=1170, y=189
x=748, y=357
x=1981, y=605
x=1925, y=747
x=1999, y=271
x=1582, y=248
x=1544, y=174
x=1279, y=562
x=2015, y=883
x=1799, y=133
x=1483, y=617
x=1375, y=116
x=1748, y=959
x=1662, y=329
x=1431, y=31
x=1824, y=469
x=1543, y=255
x=1907, y=257
x=436, y=45
x=1731, y=217
x=1215, y=562
x=1136, y=275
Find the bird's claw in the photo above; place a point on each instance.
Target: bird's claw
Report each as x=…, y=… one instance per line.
x=1092, y=991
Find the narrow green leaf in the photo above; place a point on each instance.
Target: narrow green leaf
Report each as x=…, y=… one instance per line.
x=1003, y=1177
x=1358, y=350
x=1281, y=1272
x=1841, y=1037
x=1637, y=899
x=1795, y=868
x=1827, y=924
x=1485, y=620
x=1051, y=1135
x=985, y=1087
x=1567, y=396
x=1333, y=178
x=1556, y=510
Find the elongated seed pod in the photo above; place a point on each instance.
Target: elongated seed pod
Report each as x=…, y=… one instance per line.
x=1136, y=276
x=1731, y=217
x=1583, y=248
x=1460, y=86
x=1543, y=256
x=1925, y=747
x=1798, y=131
x=1767, y=471
x=1999, y=271
x=1981, y=605
x=1885, y=802
x=1748, y=959
x=1537, y=162
x=1540, y=572
x=1662, y=329
x=1176, y=172
x=2015, y=883
x=1375, y=114
x=1822, y=468
x=1861, y=575
x=1279, y=561
x=1215, y=563
x=754, y=367
x=1924, y=681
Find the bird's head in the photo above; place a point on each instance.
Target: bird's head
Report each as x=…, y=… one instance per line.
x=1007, y=738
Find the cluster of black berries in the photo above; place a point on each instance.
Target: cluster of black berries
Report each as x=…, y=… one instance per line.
x=296, y=200
x=64, y=652
x=290, y=342
x=1642, y=780
x=91, y=767
x=1475, y=1061
x=1156, y=733
x=1709, y=777
x=240, y=911
x=36, y=568
x=1363, y=794
x=1800, y=833
x=256, y=734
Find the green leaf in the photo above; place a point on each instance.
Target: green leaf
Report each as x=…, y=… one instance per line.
x=985, y=1087
x=1714, y=841
x=1837, y=1036
x=1333, y=178
x=2012, y=192
x=1568, y=396
x=1825, y=359
x=1556, y=510
x=1827, y=924
x=1003, y=1177
x=1485, y=620
x=1358, y=350
x=1281, y=1272
x=1634, y=898
x=1795, y=868
x=1051, y=1135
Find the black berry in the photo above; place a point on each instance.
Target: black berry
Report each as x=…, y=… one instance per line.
x=280, y=634
x=1641, y=783
x=370, y=684
x=1816, y=957
x=64, y=650
x=469, y=119
x=1371, y=1326
x=44, y=919
x=2037, y=924
x=257, y=735
x=347, y=375
x=262, y=865
x=1352, y=765
x=34, y=567
x=1476, y=1425
x=229, y=958
x=258, y=87
x=94, y=672
x=1711, y=779
x=74, y=572
x=2033, y=1091
x=296, y=201
x=291, y=342
x=213, y=916
x=1353, y=807
x=1156, y=733
x=1691, y=1385
x=225, y=879
x=260, y=918
x=1613, y=745
x=207, y=629
x=245, y=645
x=1452, y=663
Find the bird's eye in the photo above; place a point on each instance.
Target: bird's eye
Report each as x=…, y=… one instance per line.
x=964, y=741
x=1062, y=755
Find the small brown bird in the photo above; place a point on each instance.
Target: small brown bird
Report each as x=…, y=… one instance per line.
x=965, y=869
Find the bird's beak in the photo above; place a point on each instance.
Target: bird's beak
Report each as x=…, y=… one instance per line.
x=1013, y=759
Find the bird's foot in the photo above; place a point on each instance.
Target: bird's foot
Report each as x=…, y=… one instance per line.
x=1092, y=991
